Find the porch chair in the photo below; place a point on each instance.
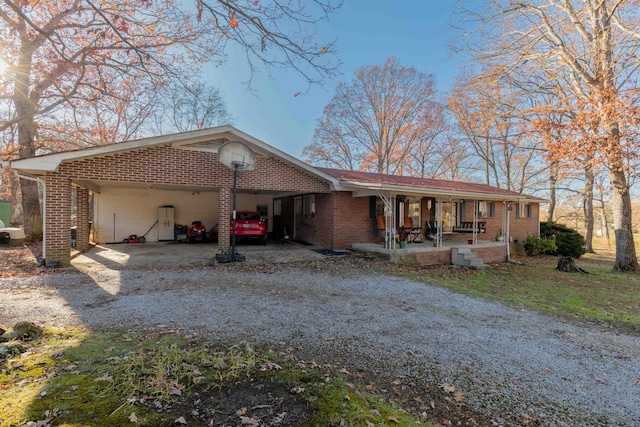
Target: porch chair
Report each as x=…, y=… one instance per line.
x=413, y=232
x=431, y=230
x=382, y=229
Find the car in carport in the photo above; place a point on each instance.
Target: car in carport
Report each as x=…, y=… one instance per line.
x=250, y=225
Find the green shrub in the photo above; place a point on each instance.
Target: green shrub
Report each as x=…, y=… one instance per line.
x=569, y=242
x=535, y=245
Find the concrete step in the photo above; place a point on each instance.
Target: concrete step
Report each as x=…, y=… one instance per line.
x=464, y=257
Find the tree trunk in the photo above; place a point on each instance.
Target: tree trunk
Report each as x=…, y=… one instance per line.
x=553, y=184
x=25, y=110
x=588, y=207
x=626, y=258
x=31, y=214
x=568, y=265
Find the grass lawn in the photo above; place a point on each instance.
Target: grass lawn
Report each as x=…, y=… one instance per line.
x=604, y=296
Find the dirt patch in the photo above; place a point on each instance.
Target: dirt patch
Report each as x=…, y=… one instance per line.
x=20, y=260
x=245, y=404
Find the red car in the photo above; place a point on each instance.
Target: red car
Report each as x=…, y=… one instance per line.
x=249, y=225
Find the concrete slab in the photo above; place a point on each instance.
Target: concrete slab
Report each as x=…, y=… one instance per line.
x=162, y=254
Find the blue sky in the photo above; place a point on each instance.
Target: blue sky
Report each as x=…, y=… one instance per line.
x=416, y=32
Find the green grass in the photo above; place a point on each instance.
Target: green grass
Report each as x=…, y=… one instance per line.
x=602, y=296
x=82, y=378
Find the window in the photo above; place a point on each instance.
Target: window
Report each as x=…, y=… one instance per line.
x=414, y=213
x=277, y=206
x=486, y=209
x=263, y=210
x=523, y=210
x=309, y=206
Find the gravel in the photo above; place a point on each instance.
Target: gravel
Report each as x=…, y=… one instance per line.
x=507, y=362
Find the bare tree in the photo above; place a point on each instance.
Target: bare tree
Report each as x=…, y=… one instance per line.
x=185, y=106
x=587, y=48
x=69, y=59
x=488, y=113
x=377, y=120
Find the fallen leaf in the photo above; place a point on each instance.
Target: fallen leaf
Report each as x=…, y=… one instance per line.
x=242, y=411
x=448, y=388
x=180, y=420
x=393, y=420
x=105, y=377
x=175, y=391
x=396, y=382
x=279, y=418
x=251, y=422
x=636, y=381
x=133, y=418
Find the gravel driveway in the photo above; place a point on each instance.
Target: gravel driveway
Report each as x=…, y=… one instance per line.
x=505, y=361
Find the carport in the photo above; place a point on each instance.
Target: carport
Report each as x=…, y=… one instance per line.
x=133, y=184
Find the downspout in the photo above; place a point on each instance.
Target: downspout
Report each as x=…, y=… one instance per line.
x=507, y=236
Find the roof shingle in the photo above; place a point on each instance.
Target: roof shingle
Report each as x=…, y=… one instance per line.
x=422, y=183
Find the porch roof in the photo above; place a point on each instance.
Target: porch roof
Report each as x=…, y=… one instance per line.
x=369, y=183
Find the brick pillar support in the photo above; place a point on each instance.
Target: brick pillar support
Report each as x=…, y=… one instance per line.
x=224, y=213
x=82, y=231
x=57, y=219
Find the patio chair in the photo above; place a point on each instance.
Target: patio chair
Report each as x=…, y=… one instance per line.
x=431, y=230
x=412, y=232
x=391, y=233
x=382, y=228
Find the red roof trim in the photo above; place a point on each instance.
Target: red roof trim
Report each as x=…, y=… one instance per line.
x=410, y=181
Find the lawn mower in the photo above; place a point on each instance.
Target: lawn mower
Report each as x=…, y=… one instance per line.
x=134, y=238
x=197, y=232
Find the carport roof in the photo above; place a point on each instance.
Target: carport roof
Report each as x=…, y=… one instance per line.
x=208, y=140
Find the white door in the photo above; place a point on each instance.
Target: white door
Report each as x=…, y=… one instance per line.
x=166, y=223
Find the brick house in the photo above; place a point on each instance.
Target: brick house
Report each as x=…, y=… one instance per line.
x=125, y=188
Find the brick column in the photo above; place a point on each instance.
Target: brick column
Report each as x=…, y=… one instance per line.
x=57, y=219
x=82, y=221
x=224, y=215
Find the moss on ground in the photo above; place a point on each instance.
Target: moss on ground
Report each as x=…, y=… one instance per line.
x=80, y=378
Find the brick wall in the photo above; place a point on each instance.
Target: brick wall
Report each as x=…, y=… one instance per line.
x=492, y=254
x=82, y=221
x=166, y=165
x=352, y=223
x=432, y=257
x=57, y=242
